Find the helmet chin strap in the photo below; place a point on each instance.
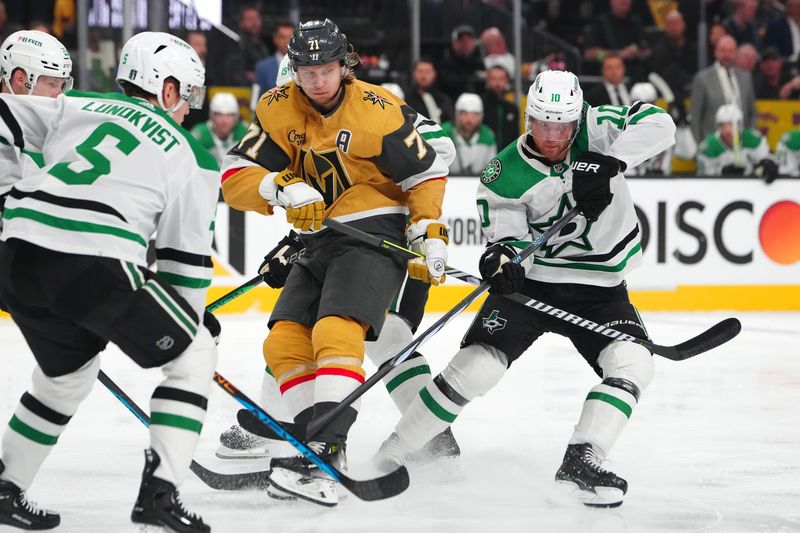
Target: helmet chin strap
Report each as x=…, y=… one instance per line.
x=172, y=109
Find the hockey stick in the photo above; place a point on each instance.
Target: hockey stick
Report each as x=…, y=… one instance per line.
x=716, y=335
x=318, y=423
x=235, y=293
x=217, y=481
x=379, y=488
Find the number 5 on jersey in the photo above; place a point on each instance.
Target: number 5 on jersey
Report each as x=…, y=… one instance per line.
x=126, y=143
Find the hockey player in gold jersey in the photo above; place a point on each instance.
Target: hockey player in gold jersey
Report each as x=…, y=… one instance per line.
x=329, y=145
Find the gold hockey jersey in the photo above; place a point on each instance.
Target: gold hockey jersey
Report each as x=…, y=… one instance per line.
x=372, y=158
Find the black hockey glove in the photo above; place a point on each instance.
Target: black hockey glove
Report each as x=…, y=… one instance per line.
x=212, y=325
x=767, y=169
x=732, y=170
x=279, y=261
x=591, y=188
x=495, y=266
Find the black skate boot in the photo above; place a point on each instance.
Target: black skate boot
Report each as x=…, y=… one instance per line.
x=297, y=476
x=159, y=503
x=17, y=511
x=238, y=443
x=592, y=485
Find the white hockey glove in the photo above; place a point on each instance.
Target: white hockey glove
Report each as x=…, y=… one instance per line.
x=305, y=208
x=428, y=237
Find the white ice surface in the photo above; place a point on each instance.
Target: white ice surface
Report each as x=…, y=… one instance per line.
x=713, y=446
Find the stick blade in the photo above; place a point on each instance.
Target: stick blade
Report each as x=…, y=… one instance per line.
x=378, y=488
x=244, y=481
x=713, y=337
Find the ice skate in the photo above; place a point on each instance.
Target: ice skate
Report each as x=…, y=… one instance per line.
x=297, y=476
x=16, y=510
x=238, y=443
x=159, y=503
x=442, y=446
x=591, y=484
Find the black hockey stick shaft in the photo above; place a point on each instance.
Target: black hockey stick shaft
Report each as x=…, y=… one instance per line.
x=235, y=293
x=379, y=488
x=214, y=480
x=318, y=423
x=716, y=335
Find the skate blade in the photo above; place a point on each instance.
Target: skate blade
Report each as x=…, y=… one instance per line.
x=223, y=452
x=601, y=497
x=312, y=489
x=277, y=494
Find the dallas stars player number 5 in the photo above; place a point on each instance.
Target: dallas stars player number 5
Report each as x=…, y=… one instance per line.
x=571, y=155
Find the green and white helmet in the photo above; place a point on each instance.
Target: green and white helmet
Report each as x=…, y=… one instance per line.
x=555, y=96
x=38, y=54
x=150, y=57
x=284, y=72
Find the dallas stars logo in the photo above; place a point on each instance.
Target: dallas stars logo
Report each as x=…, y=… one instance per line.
x=276, y=93
x=491, y=171
x=571, y=235
x=377, y=99
x=493, y=322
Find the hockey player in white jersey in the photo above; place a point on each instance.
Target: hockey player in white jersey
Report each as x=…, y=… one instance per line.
x=734, y=150
x=31, y=63
x=73, y=271
x=571, y=155
x=788, y=154
x=660, y=163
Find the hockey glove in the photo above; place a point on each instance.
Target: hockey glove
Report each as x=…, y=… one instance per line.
x=767, y=169
x=495, y=266
x=279, y=261
x=429, y=238
x=591, y=187
x=305, y=208
x=732, y=170
x=212, y=325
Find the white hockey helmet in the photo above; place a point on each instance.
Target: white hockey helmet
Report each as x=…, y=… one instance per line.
x=395, y=90
x=555, y=96
x=645, y=92
x=38, y=54
x=728, y=113
x=284, y=72
x=224, y=103
x=470, y=102
x=150, y=57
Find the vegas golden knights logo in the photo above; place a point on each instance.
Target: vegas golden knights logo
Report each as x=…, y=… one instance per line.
x=326, y=173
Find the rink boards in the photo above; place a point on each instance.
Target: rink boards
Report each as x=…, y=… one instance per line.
x=708, y=244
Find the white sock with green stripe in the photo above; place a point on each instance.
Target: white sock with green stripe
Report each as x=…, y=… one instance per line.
x=404, y=381
x=178, y=407
x=270, y=398
x=472, y=372
x=627, y=370
x=40, y=418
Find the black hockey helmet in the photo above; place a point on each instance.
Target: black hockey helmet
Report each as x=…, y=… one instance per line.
x=317, y=42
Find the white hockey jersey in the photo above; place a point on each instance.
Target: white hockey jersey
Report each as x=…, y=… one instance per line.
x=788, y=154
x=117, y=172
x=521, y=195
x=714, y=155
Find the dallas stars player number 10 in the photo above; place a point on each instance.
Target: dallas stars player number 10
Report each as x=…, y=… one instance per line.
x=571, y=155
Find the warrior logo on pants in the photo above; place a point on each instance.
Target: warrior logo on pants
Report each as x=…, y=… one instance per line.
x=494, y=322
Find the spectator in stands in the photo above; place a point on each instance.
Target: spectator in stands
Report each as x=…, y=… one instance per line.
x=224, y=129
x=613, y=89
x=783, y=31
x=715, y=32
x=621, y=33
x=6, y=27
x=772, y=77
x=462, y=68
x=675, y=56
x=425, y=97
x=741, y=25
x=733, y=150
x=719, y=84
x=475, y=141
x=267, y=68
x=251, y=47
x=747, y=58
x=495, y=51
x=499, y=114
